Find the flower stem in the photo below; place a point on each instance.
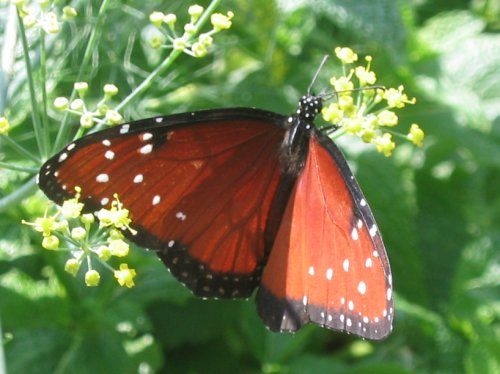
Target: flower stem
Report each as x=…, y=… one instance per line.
x=62, y=135
x=26, y=169
x=13, y=199
x=29, y=70
x=19, y=148
x=45, y=119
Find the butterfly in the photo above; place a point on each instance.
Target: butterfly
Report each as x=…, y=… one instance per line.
x=234, y=200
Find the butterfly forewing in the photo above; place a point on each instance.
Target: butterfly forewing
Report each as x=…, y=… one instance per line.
x=328, y=264
x=199, y=187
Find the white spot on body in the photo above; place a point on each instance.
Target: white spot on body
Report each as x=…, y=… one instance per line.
x=63, y=157
x=345, y=265
x=156, y=199
x=354, y=234
x=102, y=178
x=109, y=155
x=329, y=273
x=362, y=288
x=146, y=136
x=138, y=178
x=368, y=262
x=146, y=149
x=181, y=216
x=311, y=270
x=124, y=129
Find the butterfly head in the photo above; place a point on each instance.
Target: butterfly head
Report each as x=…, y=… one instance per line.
x=309, y=108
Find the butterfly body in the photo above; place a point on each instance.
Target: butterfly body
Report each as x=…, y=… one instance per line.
x=235, y=199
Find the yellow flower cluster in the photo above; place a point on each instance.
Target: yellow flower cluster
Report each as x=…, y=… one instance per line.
x=364, y=110
x=187, y=42
x=84, y=242
x=47, y=19
x=102, y=114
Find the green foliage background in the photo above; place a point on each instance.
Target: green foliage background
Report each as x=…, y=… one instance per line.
x=438, y=208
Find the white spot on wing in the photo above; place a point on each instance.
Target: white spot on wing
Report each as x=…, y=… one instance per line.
x=359, y=224
x=70, y=147
x=329, y=273
x=362, y=288
x=106, y=142
x=354, y=234
x=362, y=202
x=104, y=201
x=389, y=294
x=345, y=265
x=138, y=178
x=348, y=322
x=102, y=178
x=373, y=231
x=146, y=149
x=342, y=318
x=63, y=157
x=350, y=305
x=159, y=119
x=146, y=136
x=109, y=155
x=304, y=300
x=156, y=200
x=366, y=319
x=368, y=262
x=124, y=129
x=181, y=216
x=171, y=244
x=311, y=270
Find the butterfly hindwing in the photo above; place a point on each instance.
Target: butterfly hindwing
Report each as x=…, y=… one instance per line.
x=199, y=187
x=328, y=264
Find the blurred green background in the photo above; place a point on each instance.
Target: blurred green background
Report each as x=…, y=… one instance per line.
x=437, y=207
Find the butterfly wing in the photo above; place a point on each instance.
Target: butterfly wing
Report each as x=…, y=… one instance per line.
x=328, y=264
x=199, y=186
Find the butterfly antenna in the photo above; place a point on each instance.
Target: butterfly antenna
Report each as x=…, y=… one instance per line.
x=315, y=77
x=327, y=96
